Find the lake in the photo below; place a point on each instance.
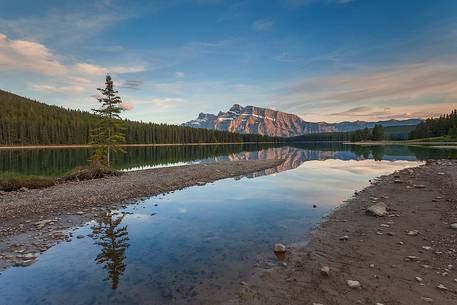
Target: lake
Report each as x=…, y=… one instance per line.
x=196, y=245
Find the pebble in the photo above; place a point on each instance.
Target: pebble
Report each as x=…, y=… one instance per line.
x=413, y=233
x=428, y=300
x=279, y=248
x=442, y=287
x=345, y=237
x=379, y=209
x=354, y=284
x=80, y=236
x=419, y=279
x=454, y=226
x=325, y=270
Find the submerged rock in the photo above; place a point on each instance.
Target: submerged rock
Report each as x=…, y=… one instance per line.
x=379, y=209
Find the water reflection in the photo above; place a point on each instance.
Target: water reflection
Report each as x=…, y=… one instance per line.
x=196, y=245
x=55, y=162
x=112, y=238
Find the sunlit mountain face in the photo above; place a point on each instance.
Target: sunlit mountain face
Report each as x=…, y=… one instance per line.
x=264, y=121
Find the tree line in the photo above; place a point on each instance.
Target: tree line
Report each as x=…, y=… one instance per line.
x=445, y=125
x=374, y=134
x=28, y=122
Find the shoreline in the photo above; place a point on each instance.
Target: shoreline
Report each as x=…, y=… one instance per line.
x=74, y=146
x=408, y=256
x=33, y=221
x=406, y=142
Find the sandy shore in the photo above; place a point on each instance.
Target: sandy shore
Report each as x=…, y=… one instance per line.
x=34, y=220
x=408, y=256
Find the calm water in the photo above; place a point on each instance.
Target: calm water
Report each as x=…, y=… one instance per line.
x=195, y=246
x=56, y=162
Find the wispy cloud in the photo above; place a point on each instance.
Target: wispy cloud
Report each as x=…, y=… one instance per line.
x=300, y=3
x=27, y=55
x=131, y=84
x=153, y=105
x=262, y=25
x=86, y=68
x=179, y=74
x=57, y=89
x=411, y=85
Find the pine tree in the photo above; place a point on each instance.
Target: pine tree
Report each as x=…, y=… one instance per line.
x=378, y=133
x=110, y=133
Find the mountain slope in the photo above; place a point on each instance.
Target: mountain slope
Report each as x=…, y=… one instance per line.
x=257, y=120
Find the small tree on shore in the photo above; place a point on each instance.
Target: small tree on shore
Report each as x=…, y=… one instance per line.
x=110, y=132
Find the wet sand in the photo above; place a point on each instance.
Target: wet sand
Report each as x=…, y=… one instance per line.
x=408, y=256
x=34, y=220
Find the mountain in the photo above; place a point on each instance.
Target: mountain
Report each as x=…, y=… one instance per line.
x=252, y=119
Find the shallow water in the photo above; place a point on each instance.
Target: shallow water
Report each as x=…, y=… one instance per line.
x=194, y=246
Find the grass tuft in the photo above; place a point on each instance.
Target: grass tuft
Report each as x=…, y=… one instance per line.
x=14, y=181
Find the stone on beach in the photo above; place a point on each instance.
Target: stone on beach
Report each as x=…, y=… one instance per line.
x=279, y=248
x=454, y=226
x=354, y=284
x=325, y=270
x=379, y=209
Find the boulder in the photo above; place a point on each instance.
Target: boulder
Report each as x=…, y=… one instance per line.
x=378, y=209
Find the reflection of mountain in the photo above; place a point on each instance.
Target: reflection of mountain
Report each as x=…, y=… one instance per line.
x=113, y=242
x=295, y=156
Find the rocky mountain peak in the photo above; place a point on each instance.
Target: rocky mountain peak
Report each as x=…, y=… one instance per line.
x=264, y=121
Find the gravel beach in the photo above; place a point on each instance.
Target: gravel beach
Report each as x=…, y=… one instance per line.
x=406, y=256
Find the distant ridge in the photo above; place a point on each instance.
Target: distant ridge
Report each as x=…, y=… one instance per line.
x=264, y=121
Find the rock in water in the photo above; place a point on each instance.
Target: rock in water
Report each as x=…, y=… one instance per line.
x=354, y=284
x=280, y=248
x=378, y=209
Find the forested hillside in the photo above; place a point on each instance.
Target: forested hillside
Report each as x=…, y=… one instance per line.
x=27, y=122
x=445, y=125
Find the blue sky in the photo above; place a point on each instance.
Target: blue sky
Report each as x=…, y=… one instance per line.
x=325, y=60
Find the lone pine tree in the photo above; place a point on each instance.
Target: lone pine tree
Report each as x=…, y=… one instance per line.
x=110, y=132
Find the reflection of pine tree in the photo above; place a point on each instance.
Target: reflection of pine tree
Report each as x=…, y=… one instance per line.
x=113, y=242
